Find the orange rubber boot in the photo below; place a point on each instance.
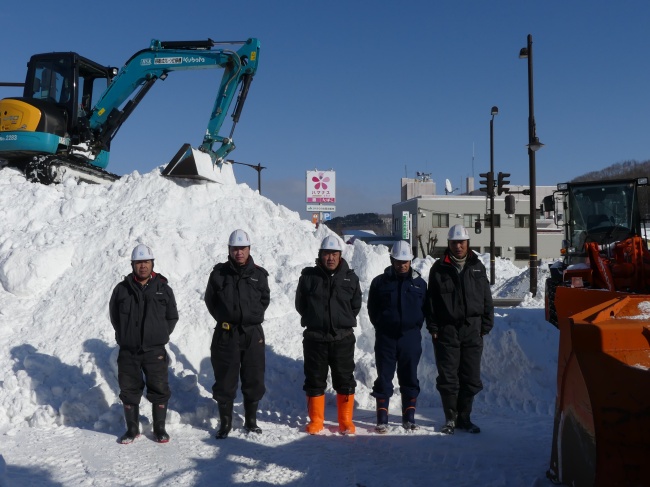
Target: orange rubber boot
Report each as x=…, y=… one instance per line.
x=345, y=404
x=316, y=408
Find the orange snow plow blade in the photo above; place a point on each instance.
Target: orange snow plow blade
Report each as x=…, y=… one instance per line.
x=601, y=431
x=194, y=164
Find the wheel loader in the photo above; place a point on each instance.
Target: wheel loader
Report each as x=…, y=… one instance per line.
x=598, y=296
x=72, y=108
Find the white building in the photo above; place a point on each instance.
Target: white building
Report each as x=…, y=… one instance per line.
x=431, y=216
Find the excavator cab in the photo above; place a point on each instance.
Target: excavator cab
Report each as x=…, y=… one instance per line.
x=51, y=116
x=598, y=296
x=67, y=80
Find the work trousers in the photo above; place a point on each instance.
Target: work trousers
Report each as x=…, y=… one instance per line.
x=458, y=351
x=234, y=353
x=402, y=352
x=153, y=364
x=320, y=357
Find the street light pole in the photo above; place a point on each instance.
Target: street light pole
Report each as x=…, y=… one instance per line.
x=533, y=146
x=257, y=167
x=493, y=112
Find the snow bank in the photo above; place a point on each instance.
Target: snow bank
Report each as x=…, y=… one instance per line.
x=63, y=249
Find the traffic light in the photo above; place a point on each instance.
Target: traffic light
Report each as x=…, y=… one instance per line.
x=502, y=181
x=487, y=184
x=510, y=204
x=477, y=226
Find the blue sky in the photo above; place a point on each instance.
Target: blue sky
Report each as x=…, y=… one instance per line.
x=375, y=90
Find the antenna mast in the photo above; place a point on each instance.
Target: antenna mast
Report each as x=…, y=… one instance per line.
x=472, y=159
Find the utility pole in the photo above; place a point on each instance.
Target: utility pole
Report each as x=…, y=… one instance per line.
x=257, y=167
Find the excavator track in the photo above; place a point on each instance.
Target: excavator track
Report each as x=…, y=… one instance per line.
x=54, y=169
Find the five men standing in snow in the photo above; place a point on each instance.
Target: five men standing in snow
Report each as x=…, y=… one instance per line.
x=457, y=307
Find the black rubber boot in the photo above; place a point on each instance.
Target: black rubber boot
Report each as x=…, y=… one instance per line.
x=450, y=408
x=382, y=416
x=225, y=416
x=250, y=417
x=132, y=418
x=408, y=413
x=159, y=414
x=464, y=410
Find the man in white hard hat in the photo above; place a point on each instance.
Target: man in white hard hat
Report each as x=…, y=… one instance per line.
x=328, y=299
x=237, y=296
x=143, y=313
x=396, y=307
x=460, y=314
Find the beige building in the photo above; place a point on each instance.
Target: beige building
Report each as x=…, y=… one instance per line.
x=431, y=216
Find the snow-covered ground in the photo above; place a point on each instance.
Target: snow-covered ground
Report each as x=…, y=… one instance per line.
x=62, y=250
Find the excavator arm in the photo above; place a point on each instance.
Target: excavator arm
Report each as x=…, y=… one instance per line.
x=140, y=72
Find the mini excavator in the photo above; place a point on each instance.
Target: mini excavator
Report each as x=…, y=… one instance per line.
x=72, y=108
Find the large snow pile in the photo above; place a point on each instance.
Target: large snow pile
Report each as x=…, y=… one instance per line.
x=62, y=250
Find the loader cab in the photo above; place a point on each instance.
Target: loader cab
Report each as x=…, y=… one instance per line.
x=67, y=85
x=604, y=212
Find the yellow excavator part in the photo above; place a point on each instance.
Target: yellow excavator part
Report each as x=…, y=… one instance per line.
x=18, y=115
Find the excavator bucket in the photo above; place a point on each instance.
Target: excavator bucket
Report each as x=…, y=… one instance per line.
x=602, y=411
x=194, y=164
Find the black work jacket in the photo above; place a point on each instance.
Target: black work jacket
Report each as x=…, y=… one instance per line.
x=461, y=298
x=396, y=304
x=143, y=316
x=327, y=302
x=238, y=295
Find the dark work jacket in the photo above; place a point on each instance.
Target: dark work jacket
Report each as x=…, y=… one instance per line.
x=143, y=318
x=238, y=294
x=396, y=304
x=328, y=303
x=459, y=299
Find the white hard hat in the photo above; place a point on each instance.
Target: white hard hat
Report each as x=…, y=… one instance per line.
x=239, y=238
x=141, y=252
x=401, y=251
x=458, y=232
x=331, y=243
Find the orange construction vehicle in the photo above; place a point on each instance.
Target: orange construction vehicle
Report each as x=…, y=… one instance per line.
x=598, y=296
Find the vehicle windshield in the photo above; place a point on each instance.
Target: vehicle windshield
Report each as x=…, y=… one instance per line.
x=603, y=212
x=53, y=79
